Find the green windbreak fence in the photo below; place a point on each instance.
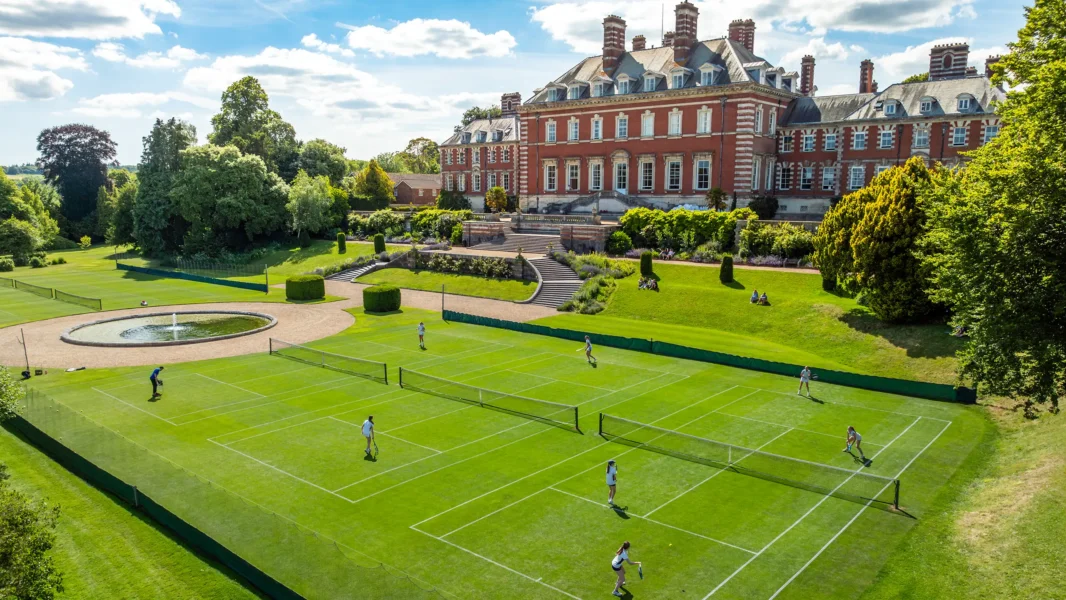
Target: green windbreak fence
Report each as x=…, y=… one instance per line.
x=904, y=387
x=272, y=553
x=244, y=285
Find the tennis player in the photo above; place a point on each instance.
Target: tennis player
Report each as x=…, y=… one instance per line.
x=612, y=480
x=421, y=335
x=805, y=380
x=368, y=432
x=618, y=563
x=156, y=381
x=588, y=350
x=854, y=437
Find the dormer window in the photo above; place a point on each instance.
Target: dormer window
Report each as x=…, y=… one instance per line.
x=965, y=103
x=786, y=84
x=466, y=138
x=481, y=137
x=575, y=92
x=771, y=80
x=926, y=105
x=677, y=81
x=623, y=86
x=755, y=74
x=649, y=83
x=597, y=90
x=708, y=78
x=555, y=95
x=890, y=108
x=497, y=136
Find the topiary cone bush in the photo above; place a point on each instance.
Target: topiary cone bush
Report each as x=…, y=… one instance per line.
x=645, y=264
x=381, y=298
x=304, y=238
x=305, y=287
x=379, y=243
x=342, y=243
x=725, y=274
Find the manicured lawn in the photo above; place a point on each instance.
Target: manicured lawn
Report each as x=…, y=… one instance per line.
x=103, y=548
x=481, y=503
x=804, y=324
x=463, y=285
x=321, y=253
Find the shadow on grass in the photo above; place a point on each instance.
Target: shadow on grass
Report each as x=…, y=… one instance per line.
x=926, y=340
x=130, y=511
x=736, y=285
x=370, y=313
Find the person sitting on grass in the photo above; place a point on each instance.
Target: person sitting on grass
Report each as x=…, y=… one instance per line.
x=662, y=254
x=763, y=300
x=653, y=285
x=754, y=296
x=643, y=284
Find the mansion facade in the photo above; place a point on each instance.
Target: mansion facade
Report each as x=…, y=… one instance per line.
x=662, y=126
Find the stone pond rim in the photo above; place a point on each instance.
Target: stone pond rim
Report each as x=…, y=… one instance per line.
x=271, y=321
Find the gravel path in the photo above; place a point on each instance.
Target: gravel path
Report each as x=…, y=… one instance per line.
x=297, y=323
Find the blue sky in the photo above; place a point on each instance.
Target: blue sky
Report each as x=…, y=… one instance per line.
x=371, y=75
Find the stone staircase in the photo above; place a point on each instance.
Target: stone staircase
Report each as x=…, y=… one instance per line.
x=558, y=282
x=350, y=274
x=530, y=243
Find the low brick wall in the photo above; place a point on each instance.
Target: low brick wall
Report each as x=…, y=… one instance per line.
x=477, y=232
x=586, y=238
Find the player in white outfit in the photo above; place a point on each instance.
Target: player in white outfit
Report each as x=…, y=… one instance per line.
x=612, y=480
x=618, y=563
x=421, y=335
x=368, y=432
x=854, y=437
x=588, y=350
x=805, y=380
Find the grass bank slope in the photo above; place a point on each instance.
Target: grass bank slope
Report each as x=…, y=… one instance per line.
x=463, y=285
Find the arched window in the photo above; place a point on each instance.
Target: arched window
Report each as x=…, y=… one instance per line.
x=947, y=61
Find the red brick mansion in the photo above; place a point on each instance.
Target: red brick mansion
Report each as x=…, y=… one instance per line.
x=661, y=126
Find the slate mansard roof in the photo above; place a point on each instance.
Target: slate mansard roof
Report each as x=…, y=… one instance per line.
x=505, y=127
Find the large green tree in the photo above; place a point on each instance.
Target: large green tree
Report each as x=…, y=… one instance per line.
x=228, y=198
x=157, y=226
x=247, y=122
x=999, y=260
x=422, y=156
x=24, y=205
x=392, y=162
x=74, y=158
x=319, y=157
x=309, y=204
x=27, y=534
x=49, y=196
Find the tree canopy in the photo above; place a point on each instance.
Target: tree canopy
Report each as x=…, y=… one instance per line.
x=247, y=122
x=319, y=157
x=374, y=183
x=74, y=158
x=917, y=77
x=422, y=156
x=476, y=112
x=156, y=225
x=22, y=204
x=309, y=204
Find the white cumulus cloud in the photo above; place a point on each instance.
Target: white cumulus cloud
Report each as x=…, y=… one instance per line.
x=89, y=19
x=915, y=59
x=313, y=42
x=27, y=69
x=126, y=105
x=819, y=49
x=171, y=59
x=446, y=39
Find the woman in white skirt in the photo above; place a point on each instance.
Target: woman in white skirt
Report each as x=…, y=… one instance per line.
x=618, y=563
x=612, y=480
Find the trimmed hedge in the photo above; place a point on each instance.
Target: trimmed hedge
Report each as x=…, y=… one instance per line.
x=725, y=274
x=342, y=243
x=381, y=298
x=6, y=264
x=305, y=287
x=379, y=243
x=645, y=264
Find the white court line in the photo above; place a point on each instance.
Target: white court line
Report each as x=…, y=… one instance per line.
x=644, y=517
x=279, y=470
x=554, y=380
x=282, y=397
x=596, y=447
x=857, y=515
x=535, y=433
x=891, y=412
x=502, y=566
x=165, y=420
x=376, y=433
x=236, y=387
x=279, y=394
x=822, y=433
x=716, y=473
x=806, y=514
x=461, y=446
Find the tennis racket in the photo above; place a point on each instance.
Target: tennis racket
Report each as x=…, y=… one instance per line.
x=160, y=382
x=640, y=571
x=375, y=445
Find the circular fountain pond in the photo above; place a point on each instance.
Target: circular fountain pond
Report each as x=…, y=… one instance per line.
x=168, y=329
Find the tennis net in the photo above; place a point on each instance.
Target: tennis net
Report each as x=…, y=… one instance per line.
x=857, y=486
x=93, y=303
x=7, y=282
x=338, y=362
x=551, y=413
x=44, y=292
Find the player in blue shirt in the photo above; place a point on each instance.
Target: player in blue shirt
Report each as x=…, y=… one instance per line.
x=156, y=381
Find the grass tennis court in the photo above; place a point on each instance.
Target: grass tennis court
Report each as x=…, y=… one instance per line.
x=488, y=504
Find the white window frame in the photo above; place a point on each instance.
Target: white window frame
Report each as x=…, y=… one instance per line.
x=784, y=178
x=621, y=127
x=890, y=108
x=829, y=141
x=650, y=83
x=878, y=169
x=492, y=154
x=595, y=176
x=756, y=172
x=993, y=129
x=702, y=171
x=477, y=182
x=647, y=174
x=550, y=132
x=857, y=137
x=677, y=81
x=965, y=104
x=786, y=142
x=492, y=181
x=771, y=168
x=920, y=138
x=806, y=178
x=925, y=106
x=462, y=182
x=482, y=137
x=476, y=156
x=829, y=175
x=448, y=157
x=708, y=77
x=886, y=139
x=573, y=131
x=647, y=125
x=808, y=142
x=506, y=154
x=597, y=128
x=673, y=175
x=623, y=86
x=573, y=177
x=703, y=121
x=758, y=119
x=597, y=90
x=856, y=177
x=956, y=139
x=507, y=181
x=574, y=92
x=462, y=156
x=772, y=129
x=674, y=123
x=621, y=174
x=449, y=182
x=551, y=177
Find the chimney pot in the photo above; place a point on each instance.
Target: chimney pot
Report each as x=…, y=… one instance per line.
x=991, y=60
x=866, y=77
x=685, y=18
x=614, y=43
x=639, y=43
x=668, y=39
x=743, y=31
x=948, y=61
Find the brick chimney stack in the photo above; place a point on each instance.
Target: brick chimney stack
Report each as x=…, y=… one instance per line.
x=866, y=77
x=639, y=43
x=743, y=31
x=685, y=17
x=991, y=60
x=948, y=61
x=668, y=39
x=614, y=43
x=509, y=104
x=807, y=75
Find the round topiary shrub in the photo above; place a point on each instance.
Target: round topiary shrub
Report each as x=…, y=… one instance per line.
x=6, y=264
x=381, y=298
x=619, y=243
x=725, y=274
x=305, y=287
x=379, y=243
x=37, y=262
x=342, y=243
x=645, y=264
